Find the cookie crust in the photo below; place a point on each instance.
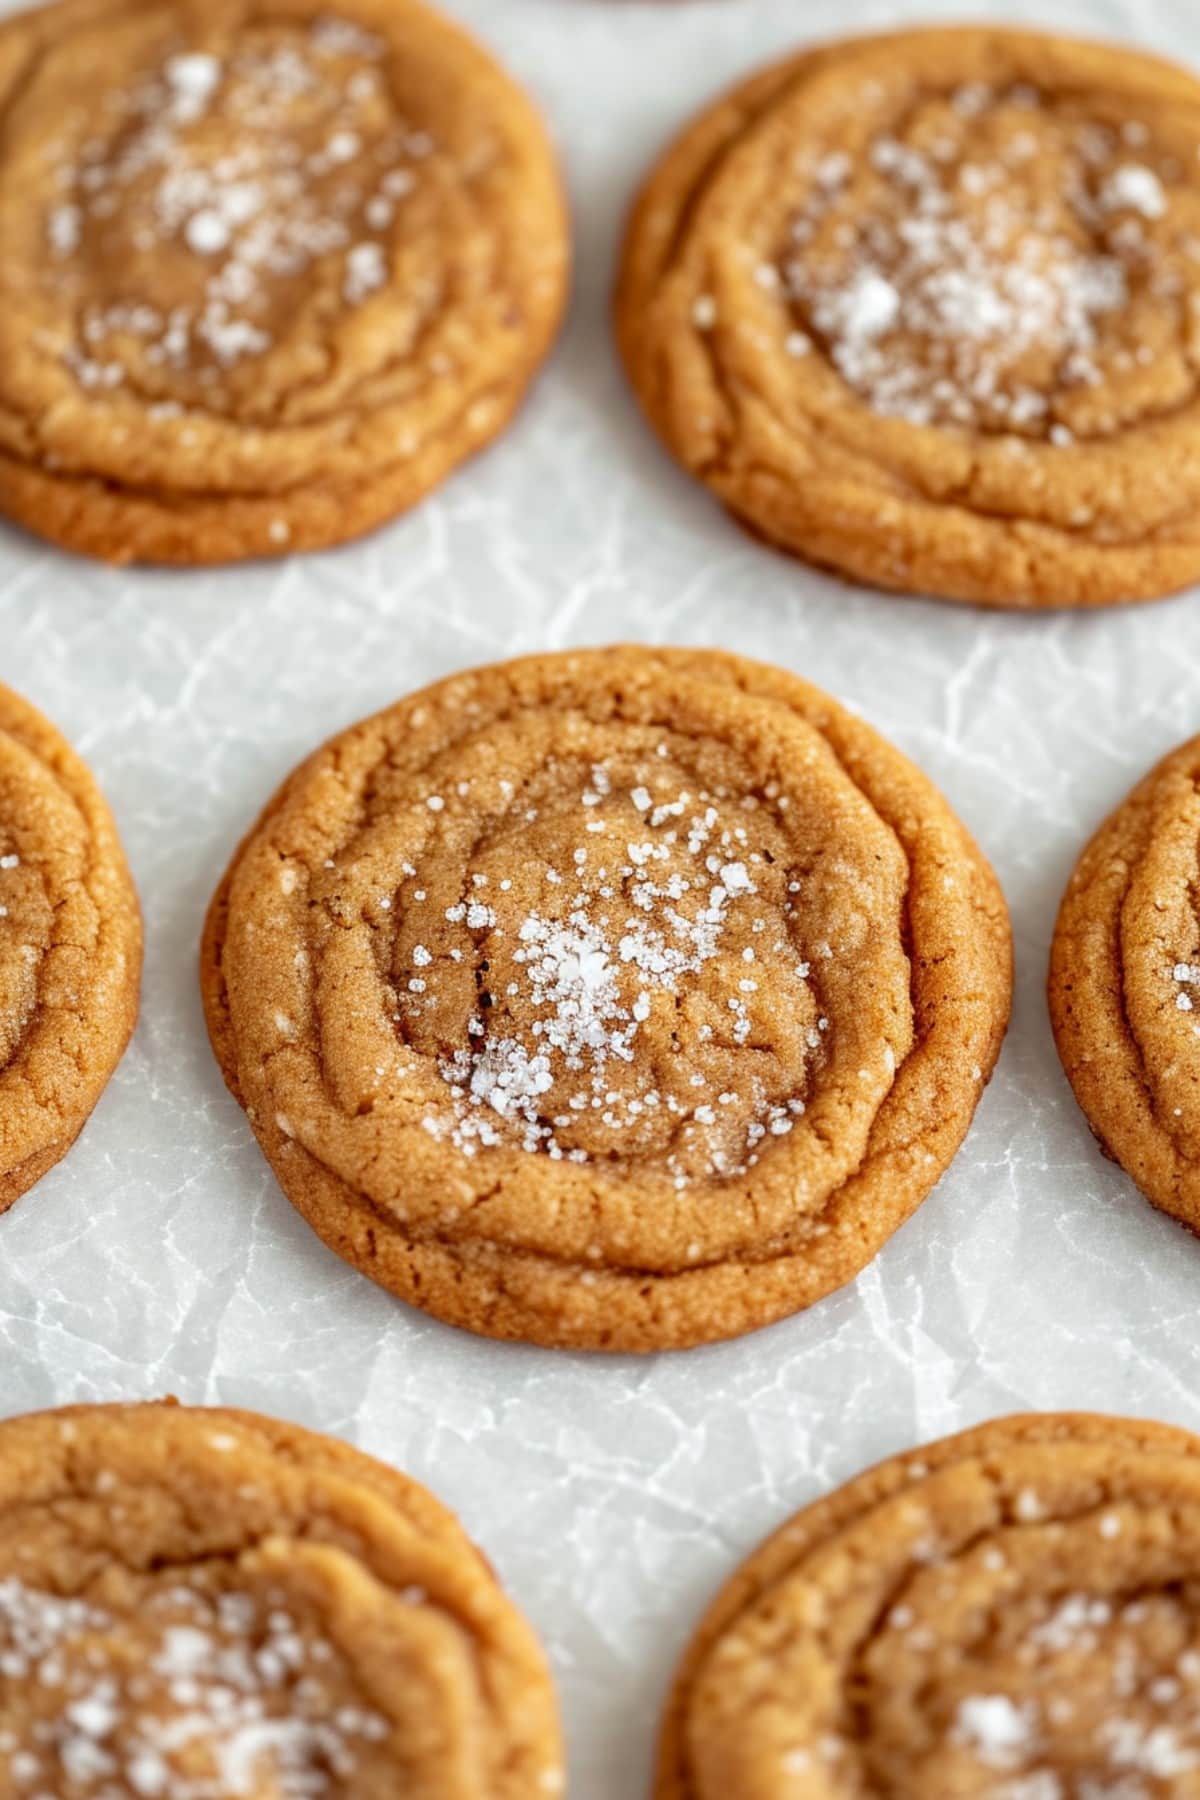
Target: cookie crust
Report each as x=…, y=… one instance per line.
x=1124, y=985
x=70, y=946
x=247, y=1595
x=273, y=283
x=915, y=1631
x=842, y=404
x=380, y=980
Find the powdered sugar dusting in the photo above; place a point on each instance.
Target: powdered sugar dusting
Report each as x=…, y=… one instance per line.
x=654, y=912
x=1186, y=977
x=996, y=1728
x=1078, y=1695
x=952, y=281
x=213, y=191
x=205, y=1696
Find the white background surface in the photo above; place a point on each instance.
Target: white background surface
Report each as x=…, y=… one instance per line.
x=161, y=1257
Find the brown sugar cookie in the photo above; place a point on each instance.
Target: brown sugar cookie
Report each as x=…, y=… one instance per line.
x=1125, y=985
x=923, y=309
x=199, y=1604
x=619, y=999
x=1009, y=1613
x=272, y=269
x=70, y=946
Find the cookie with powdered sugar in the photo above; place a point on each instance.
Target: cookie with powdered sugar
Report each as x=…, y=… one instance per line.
x=270, y=272
x=921, y=309
x=201, y=1603
x=1010, y=1612
x=70, y=946
x=618, y=999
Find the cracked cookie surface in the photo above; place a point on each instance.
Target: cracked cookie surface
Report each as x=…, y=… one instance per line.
x=205, y=1603
x=1010, y=1613
x=272, y=269
x=617, y=999
x=70, y=946
x=924, y=309
x=1124, y=985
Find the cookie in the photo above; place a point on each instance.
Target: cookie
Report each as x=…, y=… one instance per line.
x=1124, y=985
x=922, y=308
x=199, y=1604
x=70, y=947
x=1011, y=1613
x=271, y=270
x=620, y=999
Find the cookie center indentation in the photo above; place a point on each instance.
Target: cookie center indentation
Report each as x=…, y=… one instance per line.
x=1002, y=261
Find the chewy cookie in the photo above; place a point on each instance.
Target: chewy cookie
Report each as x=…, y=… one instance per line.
x=620, y=999
x=1009, y=1613
x=272, y=269
x=1125, y=984
x=200, y=1604
x=922, y=308
x=70, y=947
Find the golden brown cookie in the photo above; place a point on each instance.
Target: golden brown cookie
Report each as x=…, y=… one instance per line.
x=198, y=1604
x=1125, y=984
x=924, y=308
x=272, y=269
x=70, y=946
x=621, y=999
x=1010, y=1613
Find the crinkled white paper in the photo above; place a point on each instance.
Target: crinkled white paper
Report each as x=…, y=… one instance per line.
x=161, y=1256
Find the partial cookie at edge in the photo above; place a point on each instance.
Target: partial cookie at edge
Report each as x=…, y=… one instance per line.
x=70, y=947
x=1085, y=518
x=199, y=369
x=763, y=1586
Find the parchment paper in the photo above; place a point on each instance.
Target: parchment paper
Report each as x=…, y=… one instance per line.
x=161, y=1257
